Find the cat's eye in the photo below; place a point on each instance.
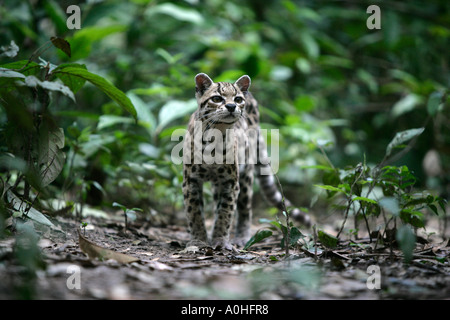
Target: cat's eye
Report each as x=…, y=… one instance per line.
x=217, y=99
x=238, y=99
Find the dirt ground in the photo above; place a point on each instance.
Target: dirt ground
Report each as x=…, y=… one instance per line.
x=165, y=269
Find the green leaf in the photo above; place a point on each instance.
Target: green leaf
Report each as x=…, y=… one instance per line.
x=57, y=15
x=83, y=39
x=364, y=199
x=173, y=110
x=121, y=206
x=177, y=12
x=108, y=120
x=305, y=103
x=402, y=137
x=18, y=205
x=319, y=167
x=407, y=241
x=7, y=73
x=73, y=82
x=434, y=102
x=327, y=240
x=258, y=237
x=329, y=188
x=406, y=104
x=309, y=44
x=32, y=68
x=390, y=204
x=115, y=94
x=295, y=235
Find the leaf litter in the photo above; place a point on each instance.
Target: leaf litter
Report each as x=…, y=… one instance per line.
x=147, y=262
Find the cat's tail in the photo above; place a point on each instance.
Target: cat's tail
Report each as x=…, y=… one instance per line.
x=270, y=187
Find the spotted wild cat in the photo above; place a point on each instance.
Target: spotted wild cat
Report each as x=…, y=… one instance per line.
x=223, y=145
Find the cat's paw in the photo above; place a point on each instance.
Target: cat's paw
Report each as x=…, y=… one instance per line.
x=197, y=243
x=223, y=244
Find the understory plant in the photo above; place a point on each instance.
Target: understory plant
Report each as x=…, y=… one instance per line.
x=31, y=140
x=369, y=192
x=385, y=191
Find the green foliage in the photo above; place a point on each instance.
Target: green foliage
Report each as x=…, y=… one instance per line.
x=331, y=87
x=28, y=256
x=288, y=232
x=34, y=142
x=71, y=71
x=258, y=237
x=386, y=190
x=127, y=213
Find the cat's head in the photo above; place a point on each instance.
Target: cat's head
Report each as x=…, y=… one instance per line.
x=221, y=102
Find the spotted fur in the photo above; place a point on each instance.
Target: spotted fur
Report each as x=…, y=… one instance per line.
x=232, y=111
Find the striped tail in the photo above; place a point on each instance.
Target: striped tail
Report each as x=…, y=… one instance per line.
x=269, y=185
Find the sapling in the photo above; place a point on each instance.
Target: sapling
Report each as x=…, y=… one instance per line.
x=128, y=213
x=83, y=226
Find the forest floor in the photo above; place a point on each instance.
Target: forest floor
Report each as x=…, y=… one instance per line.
x=164, y=269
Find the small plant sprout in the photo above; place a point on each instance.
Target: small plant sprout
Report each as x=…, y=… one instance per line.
x=128, y=213
x=83, y=226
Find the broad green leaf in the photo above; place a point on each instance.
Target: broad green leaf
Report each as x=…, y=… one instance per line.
x=402, y=137
x=173, y=110
x=75, y=83
x=327, y=240
x=309, y=44
x=258, y=237
x=305, y=103
x=407, y=241
x=7, y=73
x=368, y=79
x=57, y=15
x=144, y=115
x=295, y=235
x=177, y=12
x=115, y=94
x=32, y=68
x=108, y=120
x=390, y=204
x=18, y=205
x=434, y=102
x=406, y=104
x=303, y=65
x=84, y=38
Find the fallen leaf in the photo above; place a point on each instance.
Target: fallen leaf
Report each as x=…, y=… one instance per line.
x=95, y=251
x=155, y=265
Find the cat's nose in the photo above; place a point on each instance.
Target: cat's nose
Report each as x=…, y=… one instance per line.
x=230, y=107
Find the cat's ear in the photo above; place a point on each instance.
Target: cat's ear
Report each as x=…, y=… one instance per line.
x=243, y=83
x=202, y=83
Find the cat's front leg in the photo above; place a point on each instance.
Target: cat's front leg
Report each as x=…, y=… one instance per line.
x=193, y=204
x=228, y=190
